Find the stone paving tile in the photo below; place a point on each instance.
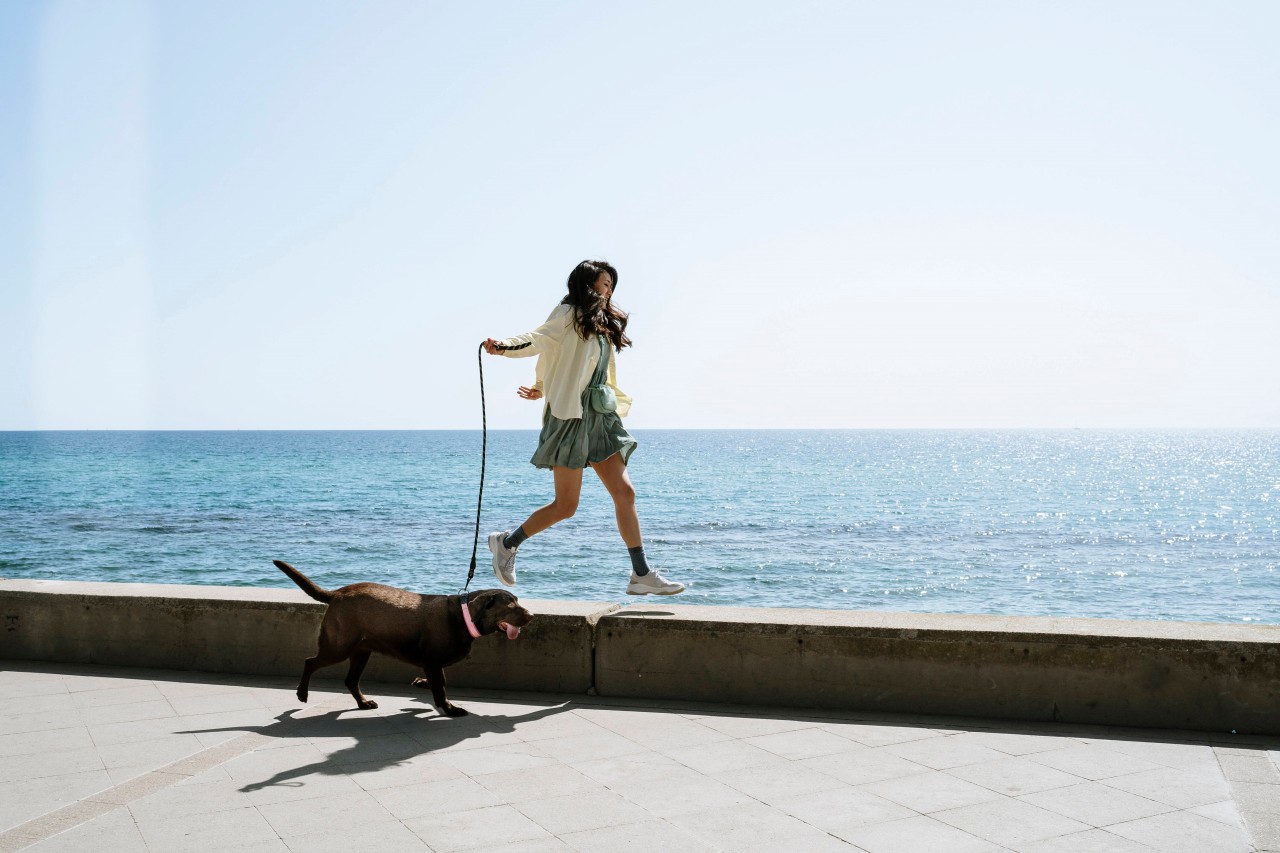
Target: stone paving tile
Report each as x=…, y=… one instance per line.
x=1014, y=776
x=672, y=789
x=755, y=827
x=1176, y=755
x=943, y=753
x=11, y=705
x=1089, y=841
x=26, y=799
x=1223, y=812
x=212, y=791
x=803, y=743
x=654, y=731
x=157, y=709
x=1092, y=762
x=868, y=734
x=1250, y=768
x=1096, y=804
x=376, y=775
x=42, y=721
x=1184, y=832
x=602, y=744
x=433, y=799
x=726, y=756
x=536, y=783
x=644, y=837
x=346, y=813
x=1015, y=744
x=931, y=792
x=582, y=811
x=134, y=693
x=20, y=768
x=918, y=834
x=1008, y=822
x=393, y=837
x=870, y=765
x=773, y=784
x=512, y=758
x=1181, y=789
x=619, y=768
x=488, y=829
x=40, y=743
x=114, y=831
x=842, y=810
x=744, y=727
x=212, y=832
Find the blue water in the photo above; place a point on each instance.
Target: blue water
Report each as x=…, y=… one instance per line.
x=1134, y=525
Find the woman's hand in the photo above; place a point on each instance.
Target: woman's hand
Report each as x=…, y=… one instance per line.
x=529, y=393
x=492, y=346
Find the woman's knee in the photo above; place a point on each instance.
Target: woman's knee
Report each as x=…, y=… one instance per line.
x=624, y=494
x=564, y=508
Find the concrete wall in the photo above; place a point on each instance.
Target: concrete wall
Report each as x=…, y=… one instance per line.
x=264, y=632
x=1203, y=676
x=1187, y=675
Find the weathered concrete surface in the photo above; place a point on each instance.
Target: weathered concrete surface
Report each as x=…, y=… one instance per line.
x=1203, y=676
x=263, y=632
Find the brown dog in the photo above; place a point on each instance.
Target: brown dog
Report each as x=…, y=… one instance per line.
x=430, y=631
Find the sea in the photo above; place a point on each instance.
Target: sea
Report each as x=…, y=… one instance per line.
x=1168, y=525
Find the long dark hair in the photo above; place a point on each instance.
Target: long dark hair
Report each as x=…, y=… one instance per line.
x=594, y=314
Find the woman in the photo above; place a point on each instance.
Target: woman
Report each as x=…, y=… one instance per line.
x=581, y=420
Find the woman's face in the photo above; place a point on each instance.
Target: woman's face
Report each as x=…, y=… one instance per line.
x=603, y=285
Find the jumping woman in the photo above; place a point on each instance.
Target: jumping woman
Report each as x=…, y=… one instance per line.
x=582, y=418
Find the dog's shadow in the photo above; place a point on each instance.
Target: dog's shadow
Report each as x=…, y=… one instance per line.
x=381, y=740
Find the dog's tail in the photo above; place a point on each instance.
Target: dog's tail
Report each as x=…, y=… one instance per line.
x=304, y=582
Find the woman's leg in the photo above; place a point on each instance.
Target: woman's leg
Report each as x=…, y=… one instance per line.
x=568, y=483
x=613, y=473
x=644, y=581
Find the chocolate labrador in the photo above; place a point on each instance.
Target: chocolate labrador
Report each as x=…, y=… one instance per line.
x=430, y=631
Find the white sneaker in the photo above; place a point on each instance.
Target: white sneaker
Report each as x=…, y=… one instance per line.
x=652, y=584
x=504, y=558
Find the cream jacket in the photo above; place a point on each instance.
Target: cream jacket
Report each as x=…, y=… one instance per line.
x=565, y=363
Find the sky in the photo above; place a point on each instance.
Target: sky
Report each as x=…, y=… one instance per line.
x=307, y=215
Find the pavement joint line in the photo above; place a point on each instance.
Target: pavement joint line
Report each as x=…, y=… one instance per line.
x=109, y=799
x=1259, y=823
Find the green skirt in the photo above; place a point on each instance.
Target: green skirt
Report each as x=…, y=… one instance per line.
x=579, y=442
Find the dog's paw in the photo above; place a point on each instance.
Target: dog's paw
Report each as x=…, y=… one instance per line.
x=421, y=684
x=367, y=705
x=455, y=711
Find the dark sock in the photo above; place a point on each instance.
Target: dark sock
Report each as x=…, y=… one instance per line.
x=639, y=564
x=515, y=539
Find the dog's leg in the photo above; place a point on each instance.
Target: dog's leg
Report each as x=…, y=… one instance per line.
x=324, y=657
x=435, y=675
x=358, y=661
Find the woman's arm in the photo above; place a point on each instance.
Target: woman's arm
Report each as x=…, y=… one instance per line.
x=545, y=338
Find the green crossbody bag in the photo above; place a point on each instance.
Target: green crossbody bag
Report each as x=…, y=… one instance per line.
x=603, y=400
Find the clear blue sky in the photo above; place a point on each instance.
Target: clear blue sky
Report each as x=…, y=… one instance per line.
x=844, y=214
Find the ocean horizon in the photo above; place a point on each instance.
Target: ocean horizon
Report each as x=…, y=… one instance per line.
x=1106, y=523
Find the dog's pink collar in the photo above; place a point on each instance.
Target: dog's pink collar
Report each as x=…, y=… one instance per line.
x=466, y=617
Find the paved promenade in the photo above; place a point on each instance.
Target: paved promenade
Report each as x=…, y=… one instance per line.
x=148, y=760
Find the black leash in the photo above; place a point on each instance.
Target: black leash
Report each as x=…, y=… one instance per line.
x=484, y=447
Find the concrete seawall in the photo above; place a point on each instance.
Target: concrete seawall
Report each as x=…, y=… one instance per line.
x=1202, y=676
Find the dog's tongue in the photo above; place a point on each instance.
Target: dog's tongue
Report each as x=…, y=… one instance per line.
x=512, y=631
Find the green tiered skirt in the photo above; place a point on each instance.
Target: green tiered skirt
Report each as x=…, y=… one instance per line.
x=579, y=442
